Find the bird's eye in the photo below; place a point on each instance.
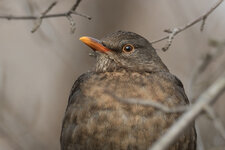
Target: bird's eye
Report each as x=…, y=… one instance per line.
x=128, y=48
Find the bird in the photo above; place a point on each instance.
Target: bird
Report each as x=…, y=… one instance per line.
x=127, y=68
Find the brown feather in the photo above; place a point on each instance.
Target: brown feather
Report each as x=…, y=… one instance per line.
x=94, y=120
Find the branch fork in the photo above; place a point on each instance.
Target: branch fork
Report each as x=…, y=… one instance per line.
x=175, y=31
x=45, y=15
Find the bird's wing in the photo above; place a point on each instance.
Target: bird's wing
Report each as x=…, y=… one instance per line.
x=181, y=88
x=75, y=94
x=76, y=86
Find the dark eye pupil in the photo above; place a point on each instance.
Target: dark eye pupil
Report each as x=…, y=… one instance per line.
x=128, y=48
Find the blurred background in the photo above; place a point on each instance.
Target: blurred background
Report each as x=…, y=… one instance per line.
x=38, y=70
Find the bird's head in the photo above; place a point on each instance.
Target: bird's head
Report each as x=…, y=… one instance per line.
x=125, y=50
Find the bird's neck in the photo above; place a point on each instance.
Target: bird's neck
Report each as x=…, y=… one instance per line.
x=109, y=65
x=104, y=64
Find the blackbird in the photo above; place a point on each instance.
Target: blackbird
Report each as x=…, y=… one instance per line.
x=127, y=67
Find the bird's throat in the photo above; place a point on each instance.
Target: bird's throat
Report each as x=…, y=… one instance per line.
x=105, y=64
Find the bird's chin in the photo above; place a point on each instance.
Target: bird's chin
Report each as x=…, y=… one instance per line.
x=105, y=63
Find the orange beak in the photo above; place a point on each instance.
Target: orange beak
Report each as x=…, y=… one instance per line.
x=94, y=44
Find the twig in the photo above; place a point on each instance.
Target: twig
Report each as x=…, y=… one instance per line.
x=203, y=23
x=216, y=121
x=70, y=18
x=82, y=15
x=11, y=17
x=180, y=29
x=39, y=21
x=150, y=103
x=75, y=5
x=170, y=39
x=72, y=23
x=44, y=15
x=208, y=97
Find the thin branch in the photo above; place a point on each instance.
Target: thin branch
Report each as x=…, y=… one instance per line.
x=11, y=17
x=75, y=5
x=150, y=103
x=216, y=121
x=203, y=23
x=208, y=97
x=44, y=15
x=180, y=29
x=39, y=21
x=72, y=23
x=82, y=15
x=70, y=18
x=170, y=39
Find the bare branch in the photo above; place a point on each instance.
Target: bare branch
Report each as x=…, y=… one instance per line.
x=39, y=21
x=203, y=23
x=82, y=15
x=72, y=23
x=44, y=15
x=180, y=29
x=49, y=8
x=170, y=39
x=150, y=103
x=10, y=17
x=75, y=5
x=208, y=97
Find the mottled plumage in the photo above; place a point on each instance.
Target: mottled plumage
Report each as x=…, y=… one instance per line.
x=96, y=120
